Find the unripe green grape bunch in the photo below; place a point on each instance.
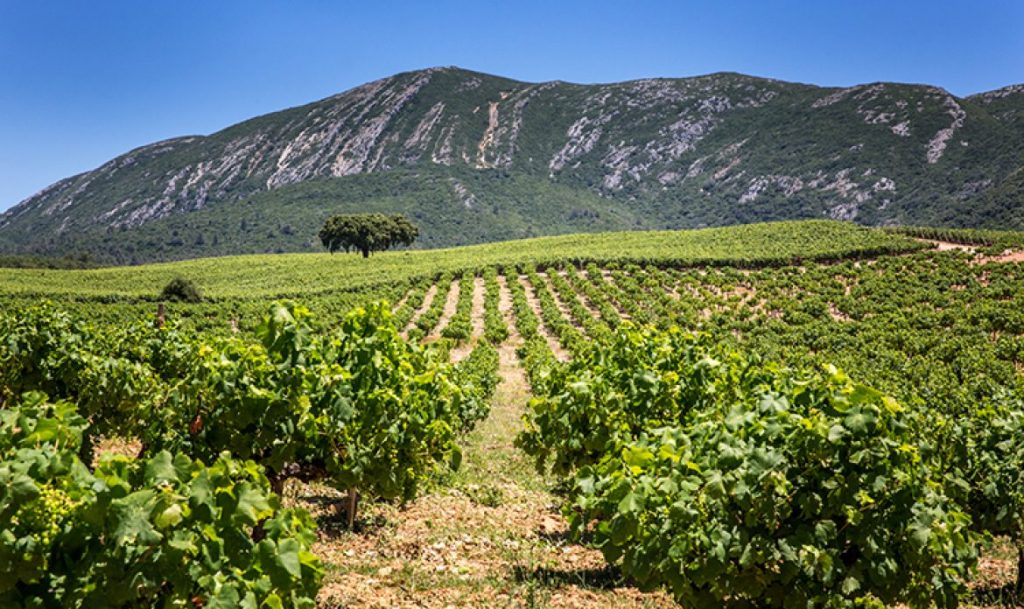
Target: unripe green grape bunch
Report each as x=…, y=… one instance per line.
x=43, y=517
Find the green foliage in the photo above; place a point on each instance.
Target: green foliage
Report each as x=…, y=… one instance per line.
x=320, y=407
x=526, y=321
x=314, y=275
x=413, y=300
x=460, y=326
x=180, y=289
x=81, y=261
x=594, y=327
x=623, y=292
x=495, y=328
x=358, y=407
x=477, y=374
x=815, y=496
x=988, y=446
x=516, y=206
x=942, y=336
x=367, y=233
x=992, y=241
x=165, y=530
x=609, y=393
x=569, y=337
x=539, y=362
x=736, y=483
x=114, y=379
x=595, y=295
x=429, y=319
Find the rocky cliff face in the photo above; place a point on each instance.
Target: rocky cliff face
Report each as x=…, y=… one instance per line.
x=682, y=152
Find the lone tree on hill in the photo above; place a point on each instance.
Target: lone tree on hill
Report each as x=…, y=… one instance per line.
x=367, y=232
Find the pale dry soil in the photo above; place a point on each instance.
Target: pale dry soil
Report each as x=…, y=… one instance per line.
x=946, y=246
x=463, y=350
x=492, y=536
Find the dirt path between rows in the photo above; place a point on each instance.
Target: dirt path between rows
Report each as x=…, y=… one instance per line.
x=476, y=319
x=562, y=306
x=669, y=284
x=582, y=297
x=491, y=536
x=450, y=305
x=946, y=246
x=1006, y=257
x=401, y=301
x=428, y=298
x=531, y=298
x=612, y=300
x=515, y=339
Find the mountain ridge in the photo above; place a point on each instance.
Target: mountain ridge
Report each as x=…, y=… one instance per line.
x=722, y=148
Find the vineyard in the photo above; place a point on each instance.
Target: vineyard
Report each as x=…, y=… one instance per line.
x=781, y=415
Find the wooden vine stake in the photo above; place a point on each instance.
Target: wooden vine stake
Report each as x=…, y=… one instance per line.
x=161, y=315
x=353, y=502
x=277, y=485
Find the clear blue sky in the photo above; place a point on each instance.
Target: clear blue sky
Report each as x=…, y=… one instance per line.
x=83, y=81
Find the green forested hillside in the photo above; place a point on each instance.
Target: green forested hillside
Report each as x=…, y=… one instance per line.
x=493, y=206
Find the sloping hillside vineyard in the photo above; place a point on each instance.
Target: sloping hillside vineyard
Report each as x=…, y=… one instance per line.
x=807, y=414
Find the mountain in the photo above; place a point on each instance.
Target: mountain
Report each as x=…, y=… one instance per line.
x=472, y=157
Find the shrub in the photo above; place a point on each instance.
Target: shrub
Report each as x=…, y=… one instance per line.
x=180, y=289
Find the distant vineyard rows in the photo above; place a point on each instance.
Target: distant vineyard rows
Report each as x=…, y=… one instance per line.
x=838, y=433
